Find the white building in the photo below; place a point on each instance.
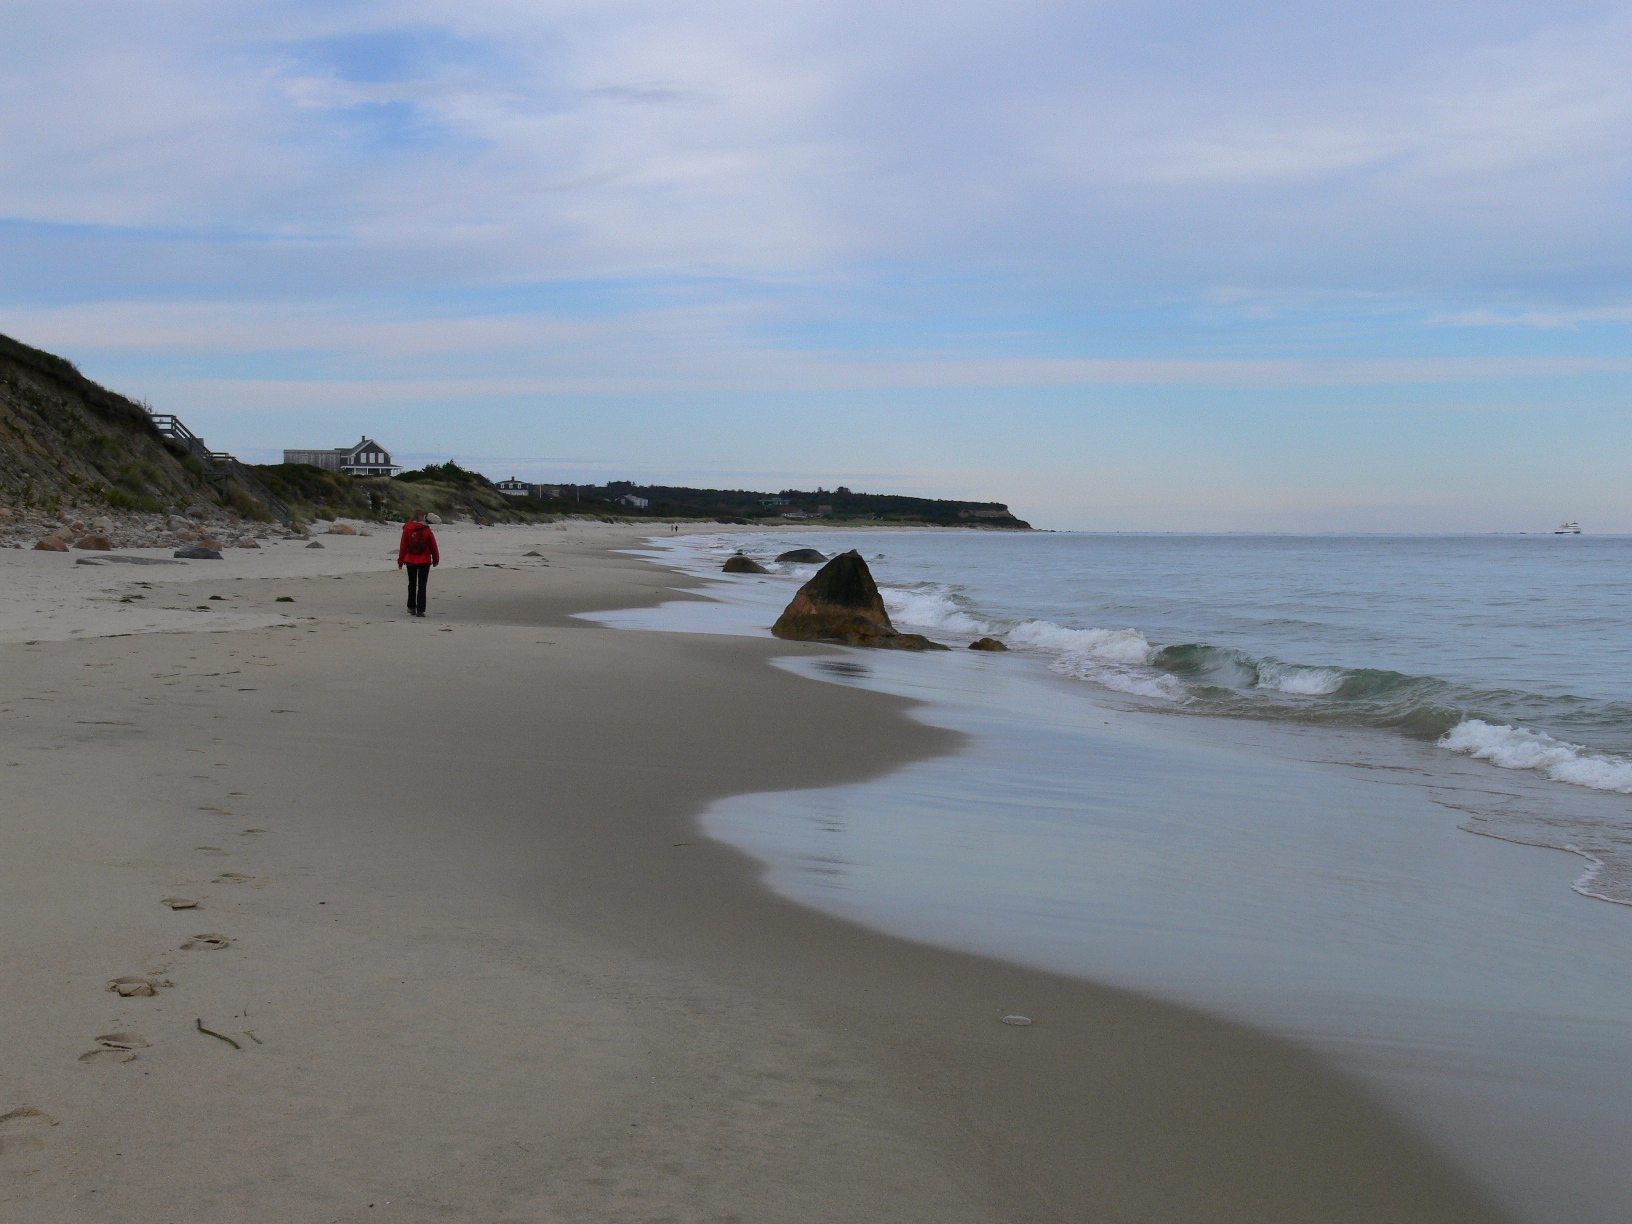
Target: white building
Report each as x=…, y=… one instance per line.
x=366, y=458
x=515, y=488
x=629, y=499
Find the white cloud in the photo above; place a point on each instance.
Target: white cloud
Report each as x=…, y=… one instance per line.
x=692, y=349
x=777, y=142
x=1539, y=317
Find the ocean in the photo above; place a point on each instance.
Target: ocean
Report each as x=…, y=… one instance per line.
x=1241, y=772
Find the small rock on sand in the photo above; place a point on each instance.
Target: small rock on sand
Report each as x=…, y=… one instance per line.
x=135, y=986
x=96, y=543
x=197, y=553
x=51, y=544
x=433, y=518
x=314, y=544
x=247, y=542
x=342, y=529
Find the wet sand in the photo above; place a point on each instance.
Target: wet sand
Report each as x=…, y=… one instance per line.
x=483, y=967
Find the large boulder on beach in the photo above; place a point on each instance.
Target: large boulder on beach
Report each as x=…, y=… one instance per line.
x=52, y=543
x=342, y=529
x=97, y=543
x=740, y=564
x=842, y=604
x=197, y=553
x=987, y=643
x=803, y=554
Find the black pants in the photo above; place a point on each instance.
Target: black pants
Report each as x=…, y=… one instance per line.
x=417, y=574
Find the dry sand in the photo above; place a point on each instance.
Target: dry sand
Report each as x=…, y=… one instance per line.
x=482, y=967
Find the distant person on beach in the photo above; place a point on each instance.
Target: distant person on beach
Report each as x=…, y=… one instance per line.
x=418, y=552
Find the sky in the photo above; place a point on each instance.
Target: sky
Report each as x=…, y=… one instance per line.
x=1123, y=266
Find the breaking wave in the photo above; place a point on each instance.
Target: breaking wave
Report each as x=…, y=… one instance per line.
x=1218, y=680
x=1521, y=748
x=932, y=606
x=1118, y=659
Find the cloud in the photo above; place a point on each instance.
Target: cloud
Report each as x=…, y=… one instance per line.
x=291, y=205
x=1537, y=317
x=1143, y=144
x=445, y=359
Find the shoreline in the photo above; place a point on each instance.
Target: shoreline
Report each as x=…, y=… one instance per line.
x=493, y=967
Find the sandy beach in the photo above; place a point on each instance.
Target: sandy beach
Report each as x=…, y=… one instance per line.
x=451, y=906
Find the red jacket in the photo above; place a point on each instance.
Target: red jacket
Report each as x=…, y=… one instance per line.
x=425, y=538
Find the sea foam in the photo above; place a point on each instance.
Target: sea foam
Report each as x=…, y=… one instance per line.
x=1521, y=748
x=931, y=606
x=1115, y=658
x=1299, y=681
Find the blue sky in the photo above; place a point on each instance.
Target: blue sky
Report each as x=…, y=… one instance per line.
x=1124, y=265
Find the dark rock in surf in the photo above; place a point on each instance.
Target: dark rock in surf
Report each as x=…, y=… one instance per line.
x=740, y=564
x=841, y=604
x=197, y=553
x=987, y=643
x=803, y=554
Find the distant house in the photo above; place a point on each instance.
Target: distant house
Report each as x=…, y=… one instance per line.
x=366, y=458
x=824, y=511
x=773, y=501
x=629, y=499
x=515, y=488
x=794, y=514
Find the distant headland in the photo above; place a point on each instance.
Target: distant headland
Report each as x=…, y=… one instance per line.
x=70, y=445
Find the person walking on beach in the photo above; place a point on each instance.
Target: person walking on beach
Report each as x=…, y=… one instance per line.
x=418, y=552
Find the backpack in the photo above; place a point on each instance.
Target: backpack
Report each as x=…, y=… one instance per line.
x=419, y=540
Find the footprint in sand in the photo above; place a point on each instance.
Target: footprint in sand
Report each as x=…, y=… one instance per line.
x=179, y=903
x=115, y=1047
x=251, y=832
x=210, y=850
x=23, y=1131
x=232, y=877
x=135, y=986
x=209, y=941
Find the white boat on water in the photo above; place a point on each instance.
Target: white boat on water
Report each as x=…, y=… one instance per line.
x=1571, y=528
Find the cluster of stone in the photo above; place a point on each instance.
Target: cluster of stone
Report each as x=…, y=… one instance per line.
x=93, y=531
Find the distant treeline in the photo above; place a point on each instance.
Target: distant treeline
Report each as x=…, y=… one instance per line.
x=450, y=489
x=745, y=505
